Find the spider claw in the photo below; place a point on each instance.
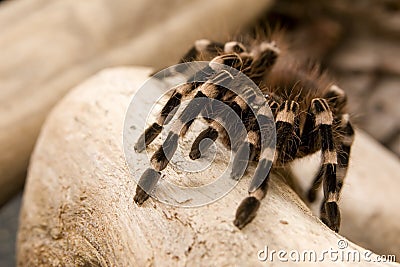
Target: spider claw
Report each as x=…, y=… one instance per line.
x=146, y=184
x=330, y=215
x=246, y=212
x=201, y=143
x=141, y=196
x=194, y=154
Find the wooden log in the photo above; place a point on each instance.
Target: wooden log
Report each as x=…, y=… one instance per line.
x=50, y=46
x=78, y=207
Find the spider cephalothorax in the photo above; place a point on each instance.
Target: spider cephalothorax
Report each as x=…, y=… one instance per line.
x=308, y=110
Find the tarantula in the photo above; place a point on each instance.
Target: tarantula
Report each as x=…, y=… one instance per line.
x=309, y=113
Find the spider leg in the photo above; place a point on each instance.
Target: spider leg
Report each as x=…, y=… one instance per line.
x=202, y=46
x=287, y=130
x=266, y=155
x=217, y=130
x=310, y=143
x=246, y=152
x=202, y=49
x=345, y=139
x=160, y=159
x=330, y=213
x=214, y=131
x=247, y=209
x=337, y=99
x=265, y=55
x=205, y=49
x=334, y=161
x=310, y=139
x=146, y=185
x=167, y=112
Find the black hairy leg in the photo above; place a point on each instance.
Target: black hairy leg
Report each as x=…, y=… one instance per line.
x=287, y=131
x=336, y=136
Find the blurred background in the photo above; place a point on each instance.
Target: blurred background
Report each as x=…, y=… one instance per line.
x=357, y=42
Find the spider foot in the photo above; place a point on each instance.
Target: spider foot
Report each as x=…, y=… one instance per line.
x=147, y=182
x=141, y=196
x=330, y=215
x=246, y=212
x=203, y=142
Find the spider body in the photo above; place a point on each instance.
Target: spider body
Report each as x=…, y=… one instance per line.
x=308, y=109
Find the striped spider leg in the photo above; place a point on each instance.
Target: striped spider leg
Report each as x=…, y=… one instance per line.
x=287, y=143
x=337, y=135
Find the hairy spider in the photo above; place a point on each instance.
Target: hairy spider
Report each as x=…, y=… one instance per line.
x=308, y=109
